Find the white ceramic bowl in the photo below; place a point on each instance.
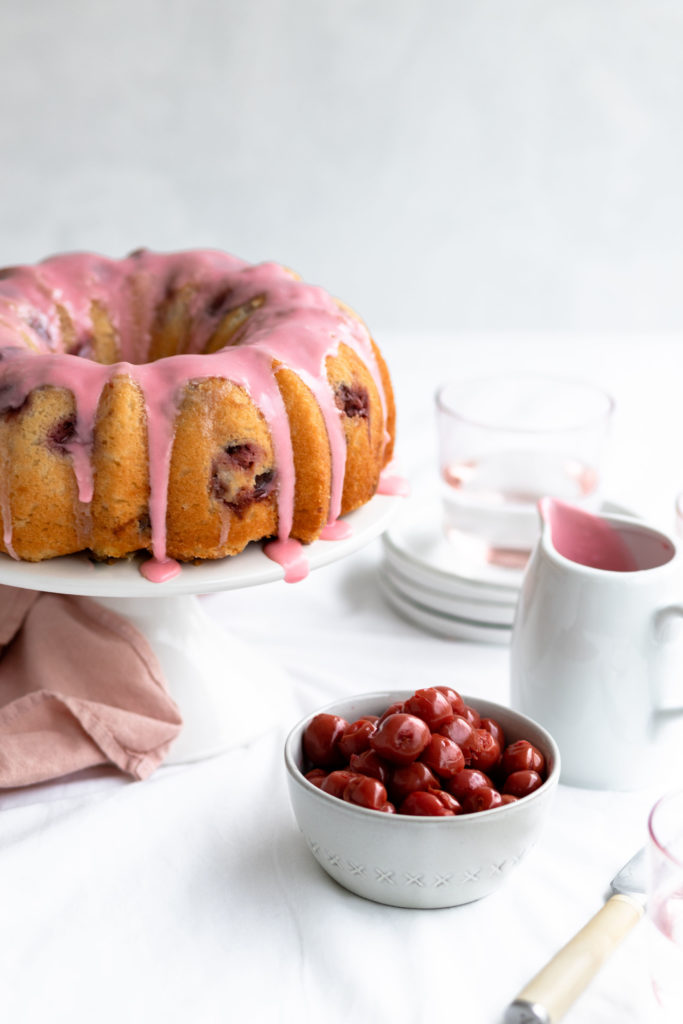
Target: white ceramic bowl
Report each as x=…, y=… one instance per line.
x=425, y=862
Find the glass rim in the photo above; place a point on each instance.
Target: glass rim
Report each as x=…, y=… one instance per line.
x=573, y=382
x=656, y=841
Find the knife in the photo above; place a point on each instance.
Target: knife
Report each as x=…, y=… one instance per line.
x=548, y=996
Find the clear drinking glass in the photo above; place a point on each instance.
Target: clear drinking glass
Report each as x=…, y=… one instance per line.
x=665, y=903
x=504, y=442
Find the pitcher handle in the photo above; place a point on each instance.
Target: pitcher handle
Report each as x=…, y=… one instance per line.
x=667, y=629
x=668, y=633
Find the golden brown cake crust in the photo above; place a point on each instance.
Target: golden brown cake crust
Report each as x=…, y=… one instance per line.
x=185, y=405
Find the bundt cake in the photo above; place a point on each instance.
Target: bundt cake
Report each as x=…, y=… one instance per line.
x=184, y=404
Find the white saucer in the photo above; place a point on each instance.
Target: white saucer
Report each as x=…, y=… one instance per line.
x=490, y=613
x=449, y=626
x=416, y=547
x=425, y=580
x=448, y=584
x=416, y=541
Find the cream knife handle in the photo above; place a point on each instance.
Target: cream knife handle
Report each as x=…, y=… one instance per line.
x=548, y=996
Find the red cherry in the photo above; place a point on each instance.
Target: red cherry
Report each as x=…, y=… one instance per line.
x=443, y=756
x=482, y=799
x=432, y=706
x=522, y=783
x=522, y=756
x=486, y=753
x=407, y=778
x=496, y=730
x=400, y=738
x=400, y=752
x=467, y=781
x=320, y=739
x=365, y=792
x=336, y=782
x=457, y=703
x=370, y=763
x=316, y=776
x=421, y=802
x=472, y=716
x=461, y=732
x=393, y=709
x=356, y=738
x=447, y=800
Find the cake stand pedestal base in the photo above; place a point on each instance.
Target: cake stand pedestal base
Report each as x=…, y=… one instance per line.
x=227, y=692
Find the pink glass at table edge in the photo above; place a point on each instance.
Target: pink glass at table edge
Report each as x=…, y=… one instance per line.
x=665, y=903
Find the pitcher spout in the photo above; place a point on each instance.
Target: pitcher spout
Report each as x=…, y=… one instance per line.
x=584, y=538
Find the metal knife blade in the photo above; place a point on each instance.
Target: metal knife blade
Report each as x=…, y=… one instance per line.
x=630, y=880
x=547, y=997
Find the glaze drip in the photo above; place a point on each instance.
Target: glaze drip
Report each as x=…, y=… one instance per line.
x=392, y=484
x=273, y=321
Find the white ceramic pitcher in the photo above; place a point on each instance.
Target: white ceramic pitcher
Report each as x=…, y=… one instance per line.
x=597, y=643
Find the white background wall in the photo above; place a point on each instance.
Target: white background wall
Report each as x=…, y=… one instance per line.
x=448, y=165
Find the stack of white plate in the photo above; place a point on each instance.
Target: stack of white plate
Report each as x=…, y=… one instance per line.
x=424, y=580
x=428, y=581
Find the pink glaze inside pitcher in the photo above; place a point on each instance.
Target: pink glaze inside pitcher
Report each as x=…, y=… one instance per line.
x=597, y=543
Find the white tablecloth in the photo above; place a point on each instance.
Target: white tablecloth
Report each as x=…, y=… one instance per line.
x=192, y=896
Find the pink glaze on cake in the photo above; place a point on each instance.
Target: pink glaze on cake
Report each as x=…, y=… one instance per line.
x=7, y=528
x=160, y=572
x=391, y=484
x=339, y=530
x=297, y=324
x=288, y=553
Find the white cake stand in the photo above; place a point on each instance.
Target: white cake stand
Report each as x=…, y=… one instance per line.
x=228, y=692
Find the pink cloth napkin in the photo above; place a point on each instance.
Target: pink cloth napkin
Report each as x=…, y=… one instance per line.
x=79, y=686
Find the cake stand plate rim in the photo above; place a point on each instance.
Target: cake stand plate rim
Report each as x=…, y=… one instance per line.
x=77, y=574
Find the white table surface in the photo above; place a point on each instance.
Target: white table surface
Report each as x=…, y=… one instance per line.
x=192, y=897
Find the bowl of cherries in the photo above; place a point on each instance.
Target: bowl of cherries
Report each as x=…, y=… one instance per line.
x=420, y=799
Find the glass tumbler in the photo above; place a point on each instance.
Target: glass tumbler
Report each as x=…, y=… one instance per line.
x=506, y=441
